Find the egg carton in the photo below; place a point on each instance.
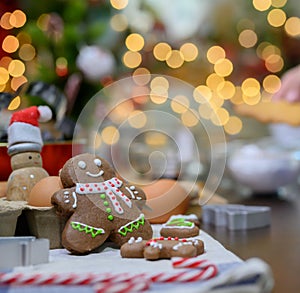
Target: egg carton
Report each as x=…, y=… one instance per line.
x=237, y=217
x=23, y=251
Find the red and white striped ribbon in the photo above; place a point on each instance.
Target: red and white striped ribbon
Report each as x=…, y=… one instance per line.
x=195, y=270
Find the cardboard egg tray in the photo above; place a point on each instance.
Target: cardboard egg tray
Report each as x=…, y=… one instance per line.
x=17, y=218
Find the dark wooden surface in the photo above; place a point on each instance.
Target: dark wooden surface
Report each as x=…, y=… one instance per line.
x=278, y=244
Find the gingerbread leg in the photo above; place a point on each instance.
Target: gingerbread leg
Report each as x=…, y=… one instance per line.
x=76, y=233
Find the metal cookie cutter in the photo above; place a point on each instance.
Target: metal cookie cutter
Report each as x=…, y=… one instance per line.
x=22, y=251
x=237, y=217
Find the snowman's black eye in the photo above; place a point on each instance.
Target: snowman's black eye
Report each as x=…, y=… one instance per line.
x=30, y=157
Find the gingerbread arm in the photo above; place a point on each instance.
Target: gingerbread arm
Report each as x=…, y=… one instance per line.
x=64, y=201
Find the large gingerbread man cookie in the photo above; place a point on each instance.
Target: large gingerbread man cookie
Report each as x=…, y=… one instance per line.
x=99, y=206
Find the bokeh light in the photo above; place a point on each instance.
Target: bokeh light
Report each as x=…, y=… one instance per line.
x=174, y=59
x=274, y=63
x=16, y=82
x=213, y=81
x=202, y=93
x=137, y=119
x=5, y=21
x=220, y=116
x=119, y=4
x=17, y=18
x=134, y=42
x=132, y=59
x=261, y=5
x=189, y=52
x=16, y=68
x=250, y=87
x=119, y=22
x=276, y=17
x=205, y=111
x=141, y=76
x=226, y=90
x=247, y=38
x=190, y=118
x=233, y=126
x=110, y=135
x=161, y=51
x=215, y=53
x=14, y=104
x=292, y=26
x=4, y=75
x=180, y=104
x=278, y=3
x=10, y=44
x=223, y=67
x=271, y=83
x=27, y=52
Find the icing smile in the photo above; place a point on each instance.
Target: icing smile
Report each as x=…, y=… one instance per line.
x=101, y=172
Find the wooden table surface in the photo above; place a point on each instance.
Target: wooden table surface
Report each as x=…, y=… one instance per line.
x=278, y=244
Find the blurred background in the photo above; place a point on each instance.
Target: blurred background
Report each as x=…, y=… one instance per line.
x=233, y=53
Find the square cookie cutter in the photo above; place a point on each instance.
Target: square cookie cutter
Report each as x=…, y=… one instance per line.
x=237, y=217
x=22, y=251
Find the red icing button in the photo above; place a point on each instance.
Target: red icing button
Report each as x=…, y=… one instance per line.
x=91, y=189
x=176, y=238
x=169, y=238
x=87, y=185
x=81, y=189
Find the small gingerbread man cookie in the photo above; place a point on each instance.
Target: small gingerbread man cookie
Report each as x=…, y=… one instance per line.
x=99, y=206
x=162, y=248
x=182, y=226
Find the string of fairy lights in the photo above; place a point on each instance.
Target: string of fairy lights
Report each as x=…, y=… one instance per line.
x=217, y=88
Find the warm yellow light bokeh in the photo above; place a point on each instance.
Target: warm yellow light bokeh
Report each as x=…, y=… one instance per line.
x=110, y=135
x=18, y=18
x=219, y=117
x=261, y=5
x=4, y=75
x=202, y=94
x=223, y=67
x=278, y=3
x=250, y=87
x=215, y=53
x=271, y=83
x=292, y=26
x=132, y=59
x=161, y=50
x=16, y=68
x=247, y=38
x=10, y=44
x=274, y=63
x=14, y=104
x=141, y=76
x=180, y=104
x=134, y=42
x=190, y=118
x=276, y=17
x=213, y=81
x=226, y=90
x=174, y=59
x=5, y=21
x=159, y=81
x=189, y=52
x=205, y=111
x=119, y=4
x=153, y=138
x=137, y=119
x=233, y=126
x=16, y=82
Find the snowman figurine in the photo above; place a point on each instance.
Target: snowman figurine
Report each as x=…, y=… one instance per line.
x=24, y=146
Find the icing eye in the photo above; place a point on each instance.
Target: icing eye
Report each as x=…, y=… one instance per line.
x=98, y=162
x=81, y=164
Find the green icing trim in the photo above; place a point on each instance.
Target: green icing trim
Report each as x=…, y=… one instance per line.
x=140, y=221
x=87, y=229
x=180, y=222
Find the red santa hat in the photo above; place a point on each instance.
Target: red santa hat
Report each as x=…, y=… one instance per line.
x=24, y=134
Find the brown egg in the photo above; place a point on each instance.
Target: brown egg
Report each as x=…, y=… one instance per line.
x=41, y=193
x=165, y=197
